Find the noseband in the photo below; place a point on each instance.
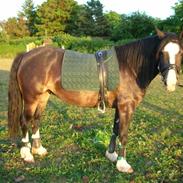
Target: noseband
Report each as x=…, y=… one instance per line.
x=164, y=68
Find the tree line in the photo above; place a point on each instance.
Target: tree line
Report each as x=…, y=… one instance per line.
x=54, y=17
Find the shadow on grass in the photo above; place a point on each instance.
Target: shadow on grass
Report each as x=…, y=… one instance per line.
x=162, y=110
x=83, y=158
x=81, y=155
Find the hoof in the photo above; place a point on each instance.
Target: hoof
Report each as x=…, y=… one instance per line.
x=26, y=155
x=111, y=156
x=123, y=166
x=29, y=160
x=41, y=151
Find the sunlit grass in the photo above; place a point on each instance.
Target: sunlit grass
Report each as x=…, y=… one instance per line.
x=10, y=51
x=76, y=140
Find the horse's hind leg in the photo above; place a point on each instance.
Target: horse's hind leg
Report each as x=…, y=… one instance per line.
x=37, y=148
x=111, y=153
x=26, y=118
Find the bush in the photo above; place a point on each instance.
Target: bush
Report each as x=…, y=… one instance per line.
x=10, y=48
x=124, y=41
x=10, y=51
x=24, y=40
x=82, y=44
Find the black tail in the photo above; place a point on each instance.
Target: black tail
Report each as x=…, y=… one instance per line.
x=15, y=102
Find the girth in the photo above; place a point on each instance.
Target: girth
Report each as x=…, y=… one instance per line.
x=101, y=57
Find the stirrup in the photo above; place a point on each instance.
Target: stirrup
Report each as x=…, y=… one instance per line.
x=101, y=107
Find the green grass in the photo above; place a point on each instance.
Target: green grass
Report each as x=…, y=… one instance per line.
x=10, y=48
x=76, y=140
x=10, y=51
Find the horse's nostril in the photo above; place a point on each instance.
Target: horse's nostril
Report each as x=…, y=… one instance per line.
x=171, y=88
x=165, y=82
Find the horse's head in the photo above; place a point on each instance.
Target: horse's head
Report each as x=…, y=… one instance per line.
x=170, y=53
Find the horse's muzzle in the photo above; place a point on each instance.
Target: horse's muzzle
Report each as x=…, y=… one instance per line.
x=170, y=88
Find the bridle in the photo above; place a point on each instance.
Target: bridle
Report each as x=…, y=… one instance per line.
x=164, y=68
x=164, y=72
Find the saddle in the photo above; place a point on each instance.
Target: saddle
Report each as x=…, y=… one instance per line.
x=94, y=72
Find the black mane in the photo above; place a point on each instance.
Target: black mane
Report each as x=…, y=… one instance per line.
x=140, y=57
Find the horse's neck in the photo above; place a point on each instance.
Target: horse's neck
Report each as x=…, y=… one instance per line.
x=145, y=78
x=139, y=58
x=147, y=72
x=148, y=64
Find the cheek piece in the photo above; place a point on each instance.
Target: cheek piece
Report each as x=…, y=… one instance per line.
x=164, y=67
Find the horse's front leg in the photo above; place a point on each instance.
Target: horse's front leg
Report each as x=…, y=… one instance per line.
x=126, y=110
x=111, y=153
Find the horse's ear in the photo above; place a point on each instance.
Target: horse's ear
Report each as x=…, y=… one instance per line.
x=160, y=33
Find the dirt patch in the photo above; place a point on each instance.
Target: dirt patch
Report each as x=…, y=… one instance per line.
x=5, y=63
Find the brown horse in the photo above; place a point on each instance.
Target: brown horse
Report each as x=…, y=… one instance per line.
x=37, y=74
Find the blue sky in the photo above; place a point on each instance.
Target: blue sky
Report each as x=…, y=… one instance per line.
x=156, y=8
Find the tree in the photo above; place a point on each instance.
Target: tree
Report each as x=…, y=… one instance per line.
x=173, y=23
x=3, y=34
x=179, y=15
x=113, y=25
x=122, y=30
x=139, y=25
x=53, y=16
x=76, y=24
x=29, y=14
x=96, y=23
x=16, y=27
x=136, y=25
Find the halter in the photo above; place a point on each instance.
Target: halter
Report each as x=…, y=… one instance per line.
x=164, y=68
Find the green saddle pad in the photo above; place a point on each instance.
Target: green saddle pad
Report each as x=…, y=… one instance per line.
x=79, y=71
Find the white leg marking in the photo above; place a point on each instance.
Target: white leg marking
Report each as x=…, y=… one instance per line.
x=123, y=166
x=26, y=154
x=40, y=151
x=26, y=139
x=111, y=156
x=36, y=135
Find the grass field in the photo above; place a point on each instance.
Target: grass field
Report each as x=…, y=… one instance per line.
x=7, y=50
x=76, y=140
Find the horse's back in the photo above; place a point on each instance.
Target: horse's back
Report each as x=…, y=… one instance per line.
x=41, y=56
